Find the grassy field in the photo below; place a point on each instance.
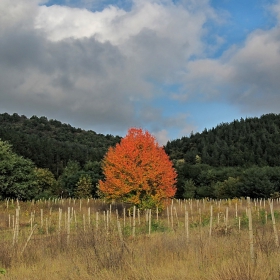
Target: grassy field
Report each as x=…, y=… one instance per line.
x=89, y=239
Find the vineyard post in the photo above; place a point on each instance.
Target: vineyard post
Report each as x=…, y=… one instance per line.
x=239, y=224
x=211, y=220
x=28, y=239
x=75, y=219
x=59, y=219
x=251, y=237
x=97, y=219
x=226, y=221
x=42, y=217
x=47, y=226
x=16, y=228
x=187, y=225
x=273, y=223
x=167, y=209
x=13, y=221
x=138, y=214
x=107, y=220
x=134, y=222
x=150, y=220
x=129, y=217
x=171, y=217
x=176, y=215
x=191, y=208
x=157, y=213
x=124, y=217
x=68, y=225
x=89, y=217
x=84, y=222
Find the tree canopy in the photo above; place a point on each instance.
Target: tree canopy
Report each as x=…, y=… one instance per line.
x=17, y=175
x=52, y=144
x=138, y=171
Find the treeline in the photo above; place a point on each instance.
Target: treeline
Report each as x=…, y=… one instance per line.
x=40, y=158
x=52, y=144
x=234, y=159
x=49, y=158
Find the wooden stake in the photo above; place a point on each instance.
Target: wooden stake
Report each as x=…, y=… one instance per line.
x=211, y=220
x=42, y=218
x=68, y=224
x=123, y=217
x=274, y=224
x=150, y=221
x=59, y=220
x=226, y=221
x=251, y=236
x=16, y=228
x=28, y=239
x=89, y=217
x=187, y=225
x=134, y=222
x=97, y=220
x=138, y=214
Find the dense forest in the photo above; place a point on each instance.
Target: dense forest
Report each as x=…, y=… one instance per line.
x=241, y=158
x=66, y=160
x=234, y=159
x=52, y=144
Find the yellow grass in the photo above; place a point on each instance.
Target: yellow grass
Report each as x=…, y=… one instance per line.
x=100, y=253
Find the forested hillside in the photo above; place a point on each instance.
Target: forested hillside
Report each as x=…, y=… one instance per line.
x=234, y=159
x=41, y=158
x=241, y=158
x=51, y=144
x=253, y=141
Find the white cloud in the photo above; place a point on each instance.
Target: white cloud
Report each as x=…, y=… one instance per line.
x=162, y=137
x=106, y=68
x=96, y=68
x=246, y=76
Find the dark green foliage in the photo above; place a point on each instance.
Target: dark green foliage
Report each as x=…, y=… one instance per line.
x=17, y=175
x=231, y=160
x=84, y=187
x=253, y=141
x=69, y=179
x=51, y=144
x=235, y=159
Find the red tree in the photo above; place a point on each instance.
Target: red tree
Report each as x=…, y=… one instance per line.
x=138, y=171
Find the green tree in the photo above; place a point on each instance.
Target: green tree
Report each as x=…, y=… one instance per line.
x=68, y=180
x=46, y=182
x=84, y=187
x=189, y=189
x=228, y=188
x=17, y=175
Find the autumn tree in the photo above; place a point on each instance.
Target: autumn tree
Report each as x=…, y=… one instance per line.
x=138, y=171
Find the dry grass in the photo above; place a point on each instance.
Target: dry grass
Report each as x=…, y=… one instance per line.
x=100, y=253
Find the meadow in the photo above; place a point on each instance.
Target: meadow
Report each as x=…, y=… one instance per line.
x=91, y=239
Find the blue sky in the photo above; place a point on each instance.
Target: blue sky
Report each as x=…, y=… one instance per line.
x=171, y=67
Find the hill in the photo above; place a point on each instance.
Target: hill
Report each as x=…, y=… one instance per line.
x=245, y=142
x=52, y=144
x=236, y=159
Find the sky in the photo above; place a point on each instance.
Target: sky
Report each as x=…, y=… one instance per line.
x=169, y=67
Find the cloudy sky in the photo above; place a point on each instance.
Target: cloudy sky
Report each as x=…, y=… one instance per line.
x=170, y=67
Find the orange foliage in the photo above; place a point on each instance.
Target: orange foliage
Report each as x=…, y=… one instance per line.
x=138, y=171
